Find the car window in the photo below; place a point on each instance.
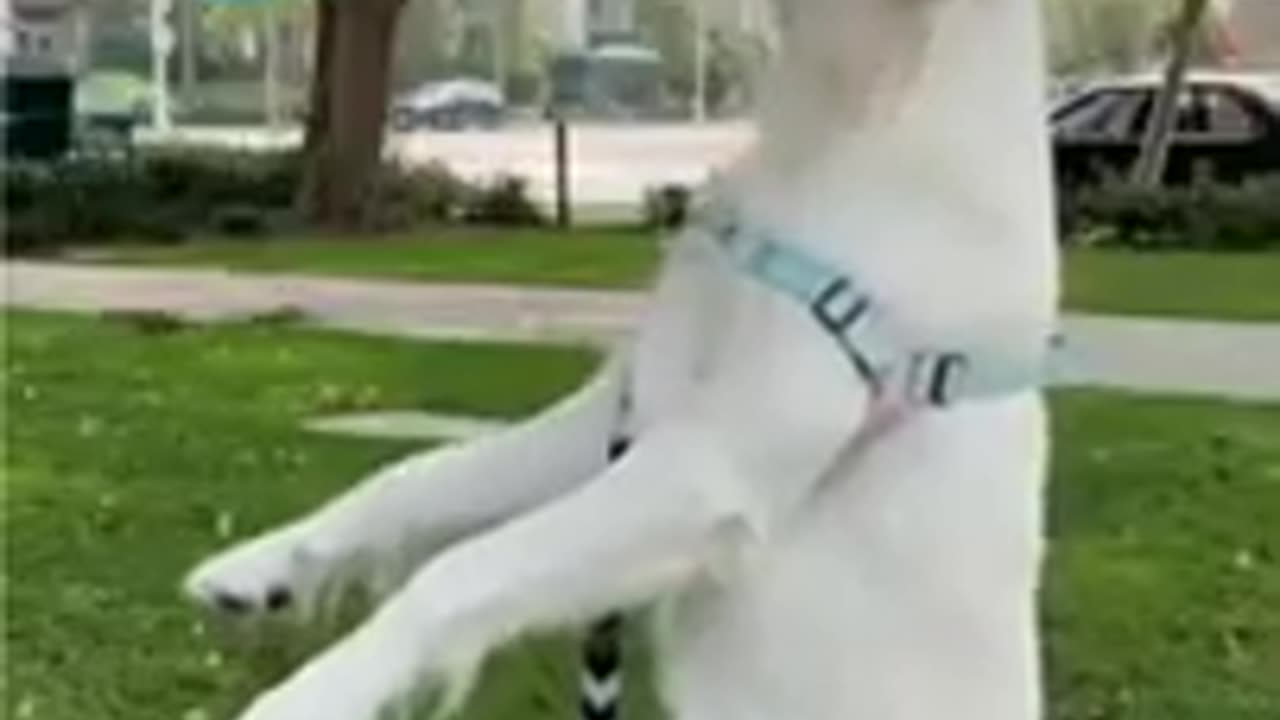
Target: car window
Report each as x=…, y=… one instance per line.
x=1111, y=115
x=1192, y=114
x=1220, y=116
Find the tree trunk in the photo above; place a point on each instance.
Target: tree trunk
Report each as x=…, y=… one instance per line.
x=312, y=189
x=350, y=87
x=1150, y=167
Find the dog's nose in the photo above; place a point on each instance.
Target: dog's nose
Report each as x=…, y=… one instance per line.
x=279, y=598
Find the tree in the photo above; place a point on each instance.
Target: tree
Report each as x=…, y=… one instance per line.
x=1088, y=36
x=1103, y=35
x=1150, y=167
x=351, y=82
x=429, y=33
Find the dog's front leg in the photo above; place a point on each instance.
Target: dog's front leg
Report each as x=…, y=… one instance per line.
x=693, y=491
x=422, y=503
x=618, y=540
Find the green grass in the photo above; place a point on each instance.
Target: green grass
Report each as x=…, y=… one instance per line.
x=611, y=258
x=1164, y=572
x=1177, y=284
x=1229, y=286
x=135, y=448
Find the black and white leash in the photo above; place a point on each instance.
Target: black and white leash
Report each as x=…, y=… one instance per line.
x=601, y=678
x=602, y=670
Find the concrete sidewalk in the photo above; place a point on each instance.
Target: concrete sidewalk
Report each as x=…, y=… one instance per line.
x=1240, y=361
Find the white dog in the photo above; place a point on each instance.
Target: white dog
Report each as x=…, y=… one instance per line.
x=836, y=520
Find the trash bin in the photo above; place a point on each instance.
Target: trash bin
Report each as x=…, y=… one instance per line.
x=37, y=113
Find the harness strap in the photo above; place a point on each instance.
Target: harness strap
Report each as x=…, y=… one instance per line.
x=847, y=312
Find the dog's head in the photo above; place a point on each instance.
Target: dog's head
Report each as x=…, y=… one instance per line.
x=847, y=66
x=848, y=56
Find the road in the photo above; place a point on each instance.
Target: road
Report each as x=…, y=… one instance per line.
x=611, y=165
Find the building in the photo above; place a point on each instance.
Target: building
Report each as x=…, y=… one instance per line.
x=576, y=24
x=42, y=35
x=581, y=23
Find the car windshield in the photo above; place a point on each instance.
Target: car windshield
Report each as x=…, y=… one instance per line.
x=450, y=91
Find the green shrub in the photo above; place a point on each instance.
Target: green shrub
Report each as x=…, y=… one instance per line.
x=208, y=178
x=158, y=196
x=166, y=195
x=403, y=196
x=1201, y=216
x=504, y=201
x=240, y=221
x=48, y=205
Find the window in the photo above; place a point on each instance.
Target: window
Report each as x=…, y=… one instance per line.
x=1110, y=115
x=1228, y=118
x=1192, y=114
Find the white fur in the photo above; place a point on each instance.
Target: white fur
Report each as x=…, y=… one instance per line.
x=804, y=567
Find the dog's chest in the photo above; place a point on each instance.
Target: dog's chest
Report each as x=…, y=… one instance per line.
x=698, y=304
x=903, y=591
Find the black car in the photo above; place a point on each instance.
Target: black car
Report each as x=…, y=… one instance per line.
x=1227, y=129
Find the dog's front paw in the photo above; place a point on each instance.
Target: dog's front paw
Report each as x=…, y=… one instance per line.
x=268, y=574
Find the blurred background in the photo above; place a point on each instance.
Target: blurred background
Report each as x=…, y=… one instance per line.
x=248, y=62
x=655, y=90
x=204, y=198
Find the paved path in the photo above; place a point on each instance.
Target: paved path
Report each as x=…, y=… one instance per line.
x=1226, y=360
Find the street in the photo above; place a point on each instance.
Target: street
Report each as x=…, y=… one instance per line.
x=612, y=165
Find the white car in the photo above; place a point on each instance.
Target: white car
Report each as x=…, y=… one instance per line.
x=456, y=104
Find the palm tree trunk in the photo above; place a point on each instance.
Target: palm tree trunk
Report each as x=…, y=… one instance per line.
x=1150, y=168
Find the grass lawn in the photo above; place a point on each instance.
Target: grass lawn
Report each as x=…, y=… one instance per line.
x=134, y=450
x=618, y=258
x=1180, y=284
x=1229, y=286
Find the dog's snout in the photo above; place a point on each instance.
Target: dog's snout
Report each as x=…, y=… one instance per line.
x=279, y=598
x=231, y=603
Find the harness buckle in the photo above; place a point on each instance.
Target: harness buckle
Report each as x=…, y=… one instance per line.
x=944, y=377
x=838, y=309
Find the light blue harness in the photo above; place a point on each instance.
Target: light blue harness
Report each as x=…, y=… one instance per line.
x=846, y=312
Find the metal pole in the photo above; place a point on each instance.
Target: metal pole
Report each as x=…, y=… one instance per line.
x=270, y=63
x=575, y=25
x=83, y=31
x=498, y=29
x=162, y=42
x=699, y=61
x=189, y=24
x=564, y=203
x=602, y=655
